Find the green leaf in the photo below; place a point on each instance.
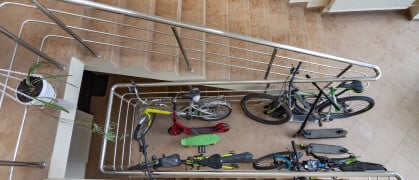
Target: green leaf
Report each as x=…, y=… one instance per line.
x=52, y=105
x=32, y=69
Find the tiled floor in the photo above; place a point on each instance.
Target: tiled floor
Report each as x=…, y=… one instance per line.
x=389, y=134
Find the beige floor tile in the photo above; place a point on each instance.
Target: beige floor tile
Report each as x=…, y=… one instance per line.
x=408, y=149
x=397, y=162
x=414, y=132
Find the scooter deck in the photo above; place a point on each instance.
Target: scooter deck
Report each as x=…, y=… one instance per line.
x=325, y=148
x=324, y=133
x=200, y=140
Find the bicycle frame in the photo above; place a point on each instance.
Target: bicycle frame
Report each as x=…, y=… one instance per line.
x=177, y=127
x=195, y=161
x=197, y=109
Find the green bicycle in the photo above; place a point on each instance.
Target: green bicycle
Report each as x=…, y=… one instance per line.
x=295, y=104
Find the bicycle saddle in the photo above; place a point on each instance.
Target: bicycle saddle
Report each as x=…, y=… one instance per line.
x=213, y=161
x=194, y=95
x=170, y=161
x=356, y=86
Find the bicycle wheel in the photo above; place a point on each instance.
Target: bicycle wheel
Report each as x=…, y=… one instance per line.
x=256, y=107
x=350, y=106
x=272, y=161
x=214, y=112
x=138, y=167
x=302, y=105
x=143, y=126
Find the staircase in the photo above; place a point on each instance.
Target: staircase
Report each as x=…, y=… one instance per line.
x=143, y=48
x=184, y=49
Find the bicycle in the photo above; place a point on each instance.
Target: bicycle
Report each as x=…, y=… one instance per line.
x=290, y=160
x=209, y=109
x=215, y=161
x=294, y=103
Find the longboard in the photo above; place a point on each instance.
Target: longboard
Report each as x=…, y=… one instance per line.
x=200, y=140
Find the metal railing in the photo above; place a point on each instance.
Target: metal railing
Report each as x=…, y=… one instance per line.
x=272, y=65
x=270, y=44
x=255, y=61
x=123, y=113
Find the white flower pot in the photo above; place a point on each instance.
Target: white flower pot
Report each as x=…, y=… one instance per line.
x=47, y=93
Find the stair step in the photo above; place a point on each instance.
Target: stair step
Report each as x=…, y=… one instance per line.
x=107, y=53
x=193, y=11
x=130, y=57
x=239, y=22
x=217, y=17
x=317, y=3
x=260, y=28
x=164, y=57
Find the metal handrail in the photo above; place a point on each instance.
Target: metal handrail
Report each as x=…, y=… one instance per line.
x=194, y=50
x=204, y=29
x=121, y=162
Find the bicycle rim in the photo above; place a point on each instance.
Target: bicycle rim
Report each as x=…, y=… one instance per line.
x=350, y=106
x=272, y=161
x=264, y=109
x=215, y=112
x=143, y=126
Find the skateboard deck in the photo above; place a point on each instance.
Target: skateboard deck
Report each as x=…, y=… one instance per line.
x=200, y=140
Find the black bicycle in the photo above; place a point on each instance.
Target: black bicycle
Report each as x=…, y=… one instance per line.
x=215, y=161
x=289, y=160
x=293, y=102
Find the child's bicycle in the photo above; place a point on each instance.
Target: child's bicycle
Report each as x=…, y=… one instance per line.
x=293, y=102
x=210, y=110
x=207, y=109
x=215, y=161
x=290, y=160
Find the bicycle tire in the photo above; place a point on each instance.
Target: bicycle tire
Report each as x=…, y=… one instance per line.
x=142, y=126
x=269, y=161
x=138, y=167
x=299, y=108
x=347, y=104
x=217, y=115
x=255, y=107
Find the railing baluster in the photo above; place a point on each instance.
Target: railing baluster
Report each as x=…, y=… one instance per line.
x=31, y=48
x=181, y=48
x=340, y=74
x=63, y=26
x=271, y=61
x=41, y=164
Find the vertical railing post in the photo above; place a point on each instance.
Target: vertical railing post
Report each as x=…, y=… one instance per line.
x=340, y=74
x=29, y=47
x=181, y=48
x=271, y=61
x=40, y=165
x=63, y=26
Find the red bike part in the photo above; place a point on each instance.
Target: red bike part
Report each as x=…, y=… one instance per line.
x=221, y=127
x=174, y=130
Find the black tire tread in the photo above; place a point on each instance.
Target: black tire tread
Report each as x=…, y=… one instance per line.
x=273, y=166
x=367, y=99
x=261, y=120
x=220, y=117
